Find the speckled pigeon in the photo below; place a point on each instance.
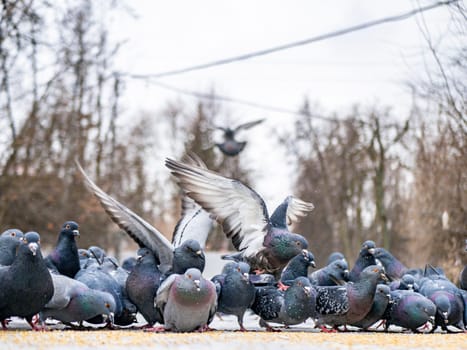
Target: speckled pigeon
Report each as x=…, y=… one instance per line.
x=289, y=307
x=350, y=303
x=73, y=301
x=393, y=267
x=409, y=310
x=195, y=223
x=235, y=292
x=187, y=302
x=230, y=146
x=335, y=273
x=26, y=284
x=142, y=285
x=297, y=267
x=264, y=242
x=64, y=257
x=365, y=258
x=381, y=300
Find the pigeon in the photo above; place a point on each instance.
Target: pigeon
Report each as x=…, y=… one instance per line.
x=289, y=307
x=407, y=282
x=235, y=292
x=409, y=310
x=231, y=147
x=350, y=303
x=393, y=267
x=187, y=302
x=64, y=257
x=8, y=246
x=142, y=285
x=26, y=284
x=335, y=256
x=73, y=301
x=12, y=232
x=264, y=242
x=83, y=257
x=463, y=274
x=195, y=223
x=365, y=258
x=381, y=301
x=336, y=273
x=129, y=263
x=297, y=267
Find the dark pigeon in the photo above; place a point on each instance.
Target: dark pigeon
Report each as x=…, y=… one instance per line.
x=73, y=301
x=350, y=303
x=381, y=301
x=365, y=258
x=333, y=274
x=142, y=285
x=83, y=257
x=393, y=267
x=297, y=267
x=195, y=224
x=26, y=284
x=290, y=307
x=407, y=282
x=335, y=256
x=265, y=243
x=231, y=147
x=129, y=263
x=409, y=310
x=64, y=257
x=235, y=292
x=187, y=302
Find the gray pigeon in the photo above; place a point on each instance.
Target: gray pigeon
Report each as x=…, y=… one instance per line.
x=350, y=303
x=187, y=302
x=336, y=273
x=407, y=282
x=393, y=267
x=335, y=256
x=381, y=301
x=83, y=257
x=64, y=257
x=73, y=301
x=195, y=223
x=235, y=292
x=8, y=246
x=230, y=146
x=409, y=310
x=12, y=232
x=365, y=258
x=297, y=267
x=264, y=242
x=290, y=307
x=26, y=284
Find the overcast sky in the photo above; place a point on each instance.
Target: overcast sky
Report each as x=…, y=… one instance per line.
x=365, y=67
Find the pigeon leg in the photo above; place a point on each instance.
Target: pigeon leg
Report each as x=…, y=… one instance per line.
x=158, y=329
x=381, y=323
x=268, y=327
x=282, y=286
x=240, y=323
x=205, y=328
x=35, y=327
x=5, y=323
x=324, y=329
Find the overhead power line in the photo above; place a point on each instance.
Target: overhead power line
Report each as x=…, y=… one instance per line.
x=209, y=96
x=296, y=43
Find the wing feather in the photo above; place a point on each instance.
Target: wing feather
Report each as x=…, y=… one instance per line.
x=248, y=125
x=136, y=227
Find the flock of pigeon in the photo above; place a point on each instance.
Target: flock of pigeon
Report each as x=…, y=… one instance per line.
x=269, y=275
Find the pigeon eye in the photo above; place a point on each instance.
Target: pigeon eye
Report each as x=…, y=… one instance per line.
x=375, y=269
x=67, y=227
x=107, y=305
x=189, y=276
x=13, y=234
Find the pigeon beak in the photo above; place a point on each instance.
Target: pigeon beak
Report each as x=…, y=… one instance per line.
x=346, y=273
x=410, y=286
x=432, y=319
x=196, y=282
x=307, y=290
x=371, y=251
x=384, y=277
x=246, y=276
x=110, y=317
x=75, y=233
x=199, y=252
x=312, y=264
x=33, y=246
x=445, y=316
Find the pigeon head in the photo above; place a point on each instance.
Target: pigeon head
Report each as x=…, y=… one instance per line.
x=97, y=253
x=407, y=282
x=70, y=228
x=193, y=275
x=286, y=246
x=422, y=308
x=192, y=246
x=443, y=306
x=384, y=290
x=144, y=254
x=83, y=254
x=308, y=257
x=32, y=241
x=368, y=248
x=339, y=269
x=335, y=256
x=374, y=272
x=12, y=232
x=304, y=284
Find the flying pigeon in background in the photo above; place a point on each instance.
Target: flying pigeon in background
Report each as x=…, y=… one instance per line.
x=188, y=302
x=264, y=242
x=26, y=285
x=185, y=251
x=230, y=146
x=64, y=257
